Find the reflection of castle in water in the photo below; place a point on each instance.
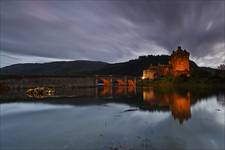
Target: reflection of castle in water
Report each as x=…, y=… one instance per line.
x=178, y=103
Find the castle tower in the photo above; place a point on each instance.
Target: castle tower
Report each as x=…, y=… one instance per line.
x=180, y=62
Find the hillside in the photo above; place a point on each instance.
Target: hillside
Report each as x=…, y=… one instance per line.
x=132, y=67
x=53, y=68
x=135, y=67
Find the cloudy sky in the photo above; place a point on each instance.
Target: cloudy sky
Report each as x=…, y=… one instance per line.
x=111, y=31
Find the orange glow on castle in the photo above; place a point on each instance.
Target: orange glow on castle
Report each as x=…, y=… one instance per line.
x=177, y=65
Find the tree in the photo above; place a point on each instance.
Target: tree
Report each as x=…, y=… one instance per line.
x=221, y=67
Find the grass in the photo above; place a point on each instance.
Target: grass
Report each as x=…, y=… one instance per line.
x=185, y=82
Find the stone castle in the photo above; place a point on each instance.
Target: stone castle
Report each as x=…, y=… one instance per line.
x=177, y=65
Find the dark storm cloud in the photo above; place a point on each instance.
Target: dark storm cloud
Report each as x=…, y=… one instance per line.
x=196, y=25
x=113, y=30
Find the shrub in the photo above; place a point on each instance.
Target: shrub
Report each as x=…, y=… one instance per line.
x=180, y=79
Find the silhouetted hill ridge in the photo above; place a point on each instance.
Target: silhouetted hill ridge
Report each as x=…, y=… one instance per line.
x=135, y=67
x=53, y=68
x=82, y=67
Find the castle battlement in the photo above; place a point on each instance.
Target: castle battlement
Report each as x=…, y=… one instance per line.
x=179, y=52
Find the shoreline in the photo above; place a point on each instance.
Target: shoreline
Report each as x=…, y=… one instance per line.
x=187, y=84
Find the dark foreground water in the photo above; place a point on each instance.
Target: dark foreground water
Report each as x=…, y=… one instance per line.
x=115, y=119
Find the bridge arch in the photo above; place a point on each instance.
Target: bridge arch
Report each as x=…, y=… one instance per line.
x=104, y=82
x=109, y=80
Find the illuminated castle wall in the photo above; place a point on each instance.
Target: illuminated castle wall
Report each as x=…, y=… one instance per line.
x=178, y=65
x=150, y=73
x=180, y=62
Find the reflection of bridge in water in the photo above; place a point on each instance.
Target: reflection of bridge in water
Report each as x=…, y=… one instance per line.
x=115, y=91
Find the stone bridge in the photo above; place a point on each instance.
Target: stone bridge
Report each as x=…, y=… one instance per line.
x=21, y=82
x=109, y=80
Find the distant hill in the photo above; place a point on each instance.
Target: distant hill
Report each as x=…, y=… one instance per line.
x=135, y=67
x=60, y=68
x=132, y=67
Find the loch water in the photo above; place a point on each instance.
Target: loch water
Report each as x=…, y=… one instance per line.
x=114, y=118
